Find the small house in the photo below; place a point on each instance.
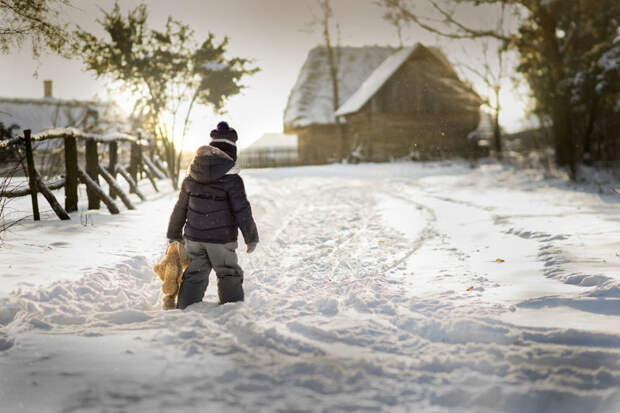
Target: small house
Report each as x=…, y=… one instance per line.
x=39, y=114
x=401, y=103
x=17, y=114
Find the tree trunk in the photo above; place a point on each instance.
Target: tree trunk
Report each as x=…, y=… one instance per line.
x=566, y=147
x=497, y=133
x=171, y=159
x=587, y=136
x=563, y=133
x=333, y=73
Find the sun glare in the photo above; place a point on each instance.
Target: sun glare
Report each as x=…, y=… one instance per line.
x=513, y=105
x=513, y=110
x=125, y=99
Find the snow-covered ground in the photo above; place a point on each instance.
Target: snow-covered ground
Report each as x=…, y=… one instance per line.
x=396, y=287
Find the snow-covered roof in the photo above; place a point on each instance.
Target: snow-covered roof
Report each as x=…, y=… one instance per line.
x=41, y=114
x=310, y=101
x=374, y=82
x=387, y=69
x=273, y=141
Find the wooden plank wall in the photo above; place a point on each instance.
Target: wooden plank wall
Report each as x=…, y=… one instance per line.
x=318, y=144
x=385, y=136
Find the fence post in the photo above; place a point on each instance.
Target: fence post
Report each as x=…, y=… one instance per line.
x=113, y=158
x=151, y=148
x=71, y=179
x=92, y=169
x=32, y=182
x=140, y=157
x=134, y=160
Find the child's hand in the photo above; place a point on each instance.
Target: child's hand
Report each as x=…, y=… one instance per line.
x=251, y=247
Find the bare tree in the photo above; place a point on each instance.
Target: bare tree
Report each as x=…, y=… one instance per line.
x=397, y=20
x=6, y=185
x=559, y=43
x=492, y=73
x=333, y=60
x=13, y=159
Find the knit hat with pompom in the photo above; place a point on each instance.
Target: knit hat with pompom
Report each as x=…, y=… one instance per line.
x=225, y=138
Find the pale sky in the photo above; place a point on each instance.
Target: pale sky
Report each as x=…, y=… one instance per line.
x=275, y=33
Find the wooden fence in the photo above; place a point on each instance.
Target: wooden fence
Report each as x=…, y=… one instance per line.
x=269, y=158
x=140, y=164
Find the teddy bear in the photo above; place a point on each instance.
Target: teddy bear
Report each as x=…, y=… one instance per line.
x=170, y=272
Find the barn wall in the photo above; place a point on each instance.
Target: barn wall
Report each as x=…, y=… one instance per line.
x=385, y=136
x=318, y=144
x=414, y=114
x=422, y=110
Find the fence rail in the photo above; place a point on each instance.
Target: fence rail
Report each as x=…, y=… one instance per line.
x=139, y=165
x=59, y=133
x=16, y=193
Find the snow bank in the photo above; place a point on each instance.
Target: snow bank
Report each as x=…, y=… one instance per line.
x=374, y=287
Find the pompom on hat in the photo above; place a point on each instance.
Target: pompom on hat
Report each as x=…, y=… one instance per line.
x=225, y=138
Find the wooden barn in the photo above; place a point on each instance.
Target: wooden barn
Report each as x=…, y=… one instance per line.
x=309, y=113
x=396, y=103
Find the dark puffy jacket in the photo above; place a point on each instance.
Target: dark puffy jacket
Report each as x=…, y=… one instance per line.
x=212, y=202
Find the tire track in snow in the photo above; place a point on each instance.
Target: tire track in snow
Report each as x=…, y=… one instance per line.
x=431, y=339
x=360, y=341
x=427, y=233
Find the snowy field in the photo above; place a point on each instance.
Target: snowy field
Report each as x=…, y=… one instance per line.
x=394, y=287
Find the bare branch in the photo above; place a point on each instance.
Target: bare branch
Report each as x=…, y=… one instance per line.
x=463, y=32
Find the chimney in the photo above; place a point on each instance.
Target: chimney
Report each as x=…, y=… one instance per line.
x=47, y=88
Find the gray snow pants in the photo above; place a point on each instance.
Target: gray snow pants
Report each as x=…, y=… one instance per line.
x=204, y=256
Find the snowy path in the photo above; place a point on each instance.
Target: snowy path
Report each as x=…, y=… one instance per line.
x=357, y=299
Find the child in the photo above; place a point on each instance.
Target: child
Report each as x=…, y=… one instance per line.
x=212, y=205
